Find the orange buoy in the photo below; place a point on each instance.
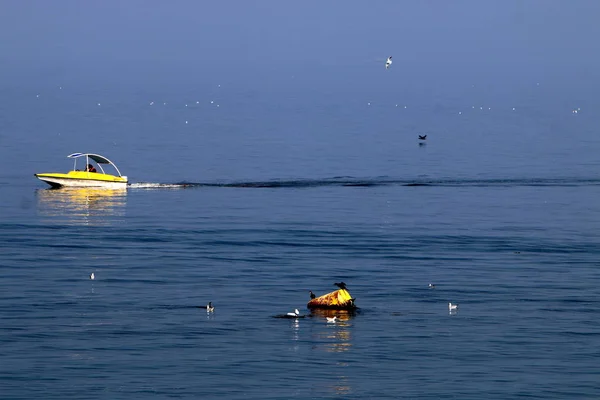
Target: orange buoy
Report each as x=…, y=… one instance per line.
x=336, y=300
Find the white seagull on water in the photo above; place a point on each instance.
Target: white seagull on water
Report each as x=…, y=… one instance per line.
x=92, y=276
x=331, y=320
x=209, y=307
x=388, y=63
x=452, y=307
x=293, y=314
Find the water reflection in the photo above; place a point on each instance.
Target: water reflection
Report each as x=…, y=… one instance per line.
x=342, y=386
x=87, y=206
x=337, y=338
x=295, y=330
x=343, y=316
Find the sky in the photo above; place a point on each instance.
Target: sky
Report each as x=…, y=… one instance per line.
x=169, y=41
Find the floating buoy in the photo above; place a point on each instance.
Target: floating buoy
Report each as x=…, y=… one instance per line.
x=336, y=300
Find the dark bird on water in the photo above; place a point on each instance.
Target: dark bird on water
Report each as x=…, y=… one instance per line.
x=312, y=295
x=341, y=285
x=422, y=137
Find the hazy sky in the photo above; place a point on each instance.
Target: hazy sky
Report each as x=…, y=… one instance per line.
x=96, y=40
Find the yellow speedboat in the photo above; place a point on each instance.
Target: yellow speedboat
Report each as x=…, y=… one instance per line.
x=89, y=177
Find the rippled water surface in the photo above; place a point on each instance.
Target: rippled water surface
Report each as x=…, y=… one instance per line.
x=499, y=210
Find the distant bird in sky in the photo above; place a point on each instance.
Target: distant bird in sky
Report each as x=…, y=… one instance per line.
x=341, y=285
x=293, y=314
x=92, y=276
x=331, y=320
x=452, y=307
x=312, y=295
x=422, y=137
x=388, y=63
x=210, y=307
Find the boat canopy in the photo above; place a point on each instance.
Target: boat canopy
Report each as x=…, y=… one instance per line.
x=96, y=157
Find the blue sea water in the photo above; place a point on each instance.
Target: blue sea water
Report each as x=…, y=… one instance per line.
x=251, y=195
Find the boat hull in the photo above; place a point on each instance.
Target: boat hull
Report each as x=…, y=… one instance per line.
x=83, y=179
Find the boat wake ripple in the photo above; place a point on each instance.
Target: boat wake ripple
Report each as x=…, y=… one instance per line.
x=357, y=182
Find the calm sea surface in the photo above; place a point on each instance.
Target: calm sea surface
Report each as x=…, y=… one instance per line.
x=250, y=197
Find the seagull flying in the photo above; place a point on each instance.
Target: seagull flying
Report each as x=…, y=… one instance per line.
x=388, y=62
x=422, y=137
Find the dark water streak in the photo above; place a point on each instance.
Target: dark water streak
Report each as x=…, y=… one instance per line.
x=355, y=182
